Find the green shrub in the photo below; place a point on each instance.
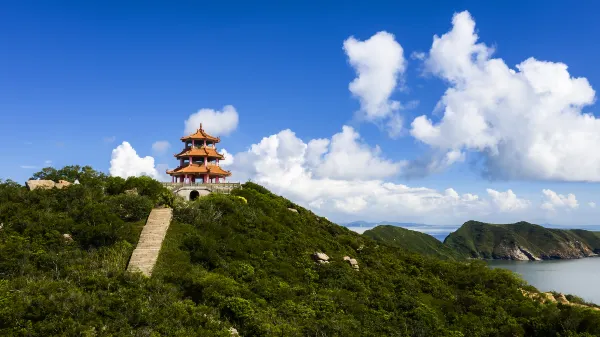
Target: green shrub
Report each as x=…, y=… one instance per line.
x=130, y=207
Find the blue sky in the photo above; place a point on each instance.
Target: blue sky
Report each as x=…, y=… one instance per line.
x=79, y=78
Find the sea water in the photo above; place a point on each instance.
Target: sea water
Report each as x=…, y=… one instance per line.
x=580, y=277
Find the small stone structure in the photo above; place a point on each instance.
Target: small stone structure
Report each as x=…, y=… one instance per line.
x=46, y=184
x=321, y=258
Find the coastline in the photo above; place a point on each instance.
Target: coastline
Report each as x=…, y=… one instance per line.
x=578, y=277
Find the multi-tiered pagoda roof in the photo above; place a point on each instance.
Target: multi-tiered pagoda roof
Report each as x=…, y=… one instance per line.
x=199, y=160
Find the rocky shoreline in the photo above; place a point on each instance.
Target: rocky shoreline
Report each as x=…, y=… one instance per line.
x=565, y=251
x=522, y=241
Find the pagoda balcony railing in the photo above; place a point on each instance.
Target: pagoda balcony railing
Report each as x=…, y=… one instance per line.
x=189, y=147
x=212, y=185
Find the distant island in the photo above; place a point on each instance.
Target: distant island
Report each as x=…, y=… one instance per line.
x=437, y=231
x=413, y=241
x=519, y=241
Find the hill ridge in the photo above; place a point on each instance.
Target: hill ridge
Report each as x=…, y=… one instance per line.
x=242, y=260
x=522, y=241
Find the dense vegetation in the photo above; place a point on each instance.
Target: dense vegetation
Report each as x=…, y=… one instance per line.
x=53, y=286
x=413, y=241
x=241, y=260
x=491, y=241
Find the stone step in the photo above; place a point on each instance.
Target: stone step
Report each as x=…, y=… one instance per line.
x=146, y=253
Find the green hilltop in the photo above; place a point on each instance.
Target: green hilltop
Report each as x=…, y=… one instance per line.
x=412, y=241
x=243, y=261
x=522, y=241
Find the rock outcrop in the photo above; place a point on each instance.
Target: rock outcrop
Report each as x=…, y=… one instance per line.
x=62, y=184
x=561, y=298
x=515, y=253
x=548, y=297
x=551, y=298
x=321, y=258
x=353, y=263
x=293, y=210
x=68, y=238
x=132, y=191
x=43, y=184
x=570, y=250
x=46, y=184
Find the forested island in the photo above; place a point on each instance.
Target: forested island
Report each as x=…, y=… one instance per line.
x=250, y=263
x=519, y=241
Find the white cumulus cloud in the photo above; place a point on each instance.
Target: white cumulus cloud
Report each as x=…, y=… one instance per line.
x=125, y=162
x=592, y=204
x=347, y=157
x=229, y=158
x=507, y=201
x=160, y=147
x=379, y=64
x=526, y=122
x=320, y=174
x=216, y=123
x=554, y=200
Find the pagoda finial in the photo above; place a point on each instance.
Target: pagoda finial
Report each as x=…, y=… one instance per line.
x=200, y=126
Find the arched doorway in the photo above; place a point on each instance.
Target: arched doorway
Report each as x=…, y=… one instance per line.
x=194, y=195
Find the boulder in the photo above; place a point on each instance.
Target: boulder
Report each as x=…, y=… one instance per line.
x=46, y=184
x=43, y=184
x=293, y=210
x=132, y=191
x=68, y=237
x=561, y=298
x=321, y=257
x=62, y=184
x=233, y=331
x=548, y=297
x=353, y=263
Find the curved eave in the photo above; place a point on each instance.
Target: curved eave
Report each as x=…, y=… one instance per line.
x=199, y=153
x=200, y=169
x=200, y=137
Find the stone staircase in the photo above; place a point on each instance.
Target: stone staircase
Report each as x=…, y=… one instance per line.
x=146, y=253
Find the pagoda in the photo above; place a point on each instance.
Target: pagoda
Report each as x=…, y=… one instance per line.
x=199, y=160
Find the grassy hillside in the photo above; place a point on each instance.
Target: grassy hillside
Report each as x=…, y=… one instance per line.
x=242, y=262
x=483, y=240
x=412, y=240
